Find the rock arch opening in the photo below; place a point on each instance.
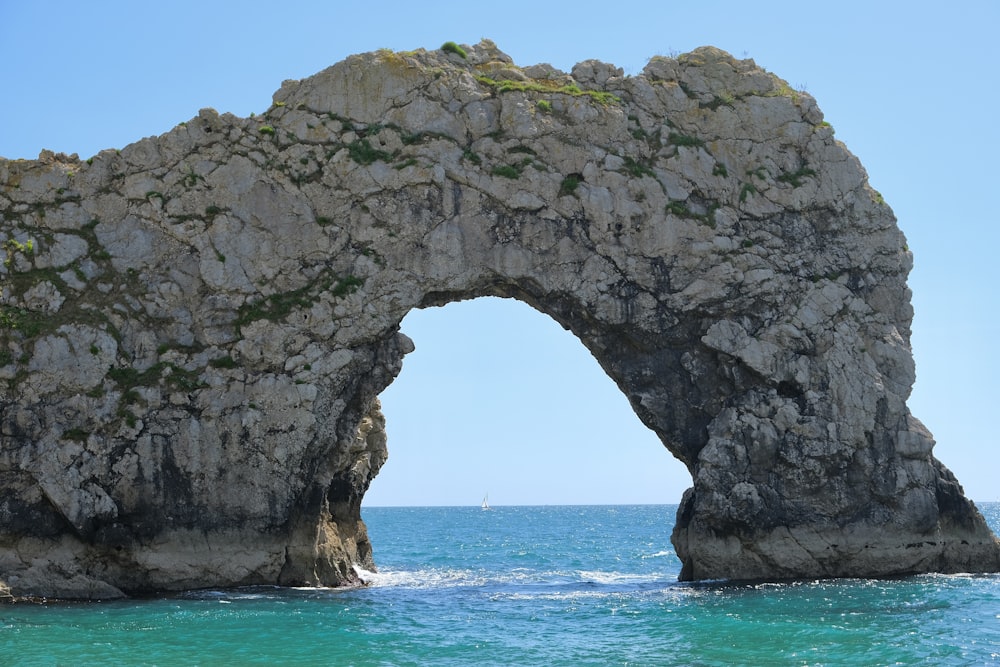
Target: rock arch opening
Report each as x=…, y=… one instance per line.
x=498, y=397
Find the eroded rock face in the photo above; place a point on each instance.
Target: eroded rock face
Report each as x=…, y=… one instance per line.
x=195, y=329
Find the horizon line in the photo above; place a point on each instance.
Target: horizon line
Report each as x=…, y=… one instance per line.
x=624, y=504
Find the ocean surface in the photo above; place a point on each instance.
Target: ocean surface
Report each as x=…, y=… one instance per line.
x=589, y=585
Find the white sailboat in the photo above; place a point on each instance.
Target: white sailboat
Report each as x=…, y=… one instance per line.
x=486, y=502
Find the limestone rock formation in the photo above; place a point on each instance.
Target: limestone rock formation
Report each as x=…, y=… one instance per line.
x=194, y=329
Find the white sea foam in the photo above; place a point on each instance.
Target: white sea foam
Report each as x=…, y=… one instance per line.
x=424, y=578
x=427, y=578
x=607, y=578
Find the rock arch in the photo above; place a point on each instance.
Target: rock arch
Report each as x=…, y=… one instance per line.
x=197, y=327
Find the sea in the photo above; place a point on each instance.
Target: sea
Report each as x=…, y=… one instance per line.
x=552, y=585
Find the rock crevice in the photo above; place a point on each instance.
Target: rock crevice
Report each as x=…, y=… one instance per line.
x=194, y=329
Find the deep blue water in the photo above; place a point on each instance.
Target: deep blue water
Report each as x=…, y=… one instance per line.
x=528, y=586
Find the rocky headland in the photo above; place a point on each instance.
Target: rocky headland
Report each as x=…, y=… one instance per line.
x=194, y=329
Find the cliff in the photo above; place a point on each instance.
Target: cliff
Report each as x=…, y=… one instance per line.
x=194, y=329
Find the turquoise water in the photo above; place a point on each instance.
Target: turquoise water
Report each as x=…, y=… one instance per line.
x=528, y=586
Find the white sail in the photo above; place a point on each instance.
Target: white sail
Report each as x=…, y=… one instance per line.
x=486, y=502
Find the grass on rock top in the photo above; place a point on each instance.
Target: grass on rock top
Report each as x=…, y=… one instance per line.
x=546, y=86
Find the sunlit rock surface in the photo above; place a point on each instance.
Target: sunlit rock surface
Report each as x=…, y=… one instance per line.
x=194, y=329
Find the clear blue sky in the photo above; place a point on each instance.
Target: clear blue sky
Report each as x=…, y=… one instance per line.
x=496, y=398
